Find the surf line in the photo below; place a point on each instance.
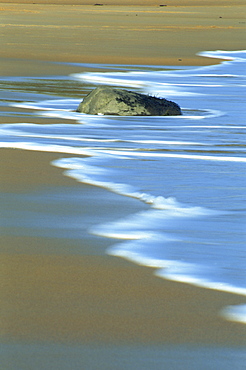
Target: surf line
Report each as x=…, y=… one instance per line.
x=168, y=155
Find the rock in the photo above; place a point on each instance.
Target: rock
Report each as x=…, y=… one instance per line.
x=113, y=101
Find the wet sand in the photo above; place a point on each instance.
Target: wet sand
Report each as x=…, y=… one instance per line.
x=86, y=299
x=23, y=170
x=70, y=298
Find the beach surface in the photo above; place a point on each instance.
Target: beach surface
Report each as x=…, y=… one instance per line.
x=48, y=293
x=116, y=33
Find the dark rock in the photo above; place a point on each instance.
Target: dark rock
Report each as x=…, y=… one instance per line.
x=113, y=101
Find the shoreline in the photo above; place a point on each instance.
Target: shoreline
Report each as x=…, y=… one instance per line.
x=98, y=298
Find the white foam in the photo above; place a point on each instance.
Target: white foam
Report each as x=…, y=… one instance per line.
x=63, y=114
x=182, y=272
x=132, y=80
x=51, y=104
x=85, y=177
x=235, y=313
x=78, y=169
x=187, y=274
x=8, y=129
x=178, y=209
x=153, y=81
x=173, y=155
x=45, y=148
x=136, y=257
x=227, y=55
x=150, y=221
x=167, y=142
x=108, y=80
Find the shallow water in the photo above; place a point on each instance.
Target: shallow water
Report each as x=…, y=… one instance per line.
x=77, y=357
x=188, y=170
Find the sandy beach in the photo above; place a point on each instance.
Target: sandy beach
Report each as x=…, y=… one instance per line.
x=84, y=299
x=69, y=298
x=115, y=34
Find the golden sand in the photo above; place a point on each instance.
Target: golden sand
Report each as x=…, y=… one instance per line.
x=23, y=170
x=150, y=34
x=88, y=298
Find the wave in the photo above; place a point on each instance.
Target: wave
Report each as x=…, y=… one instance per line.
x=235, y=313
x=175, y=80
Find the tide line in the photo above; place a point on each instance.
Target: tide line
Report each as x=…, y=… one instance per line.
x=169, y=155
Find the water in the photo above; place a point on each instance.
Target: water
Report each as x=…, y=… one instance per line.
x=58, y=356
x=189, y=170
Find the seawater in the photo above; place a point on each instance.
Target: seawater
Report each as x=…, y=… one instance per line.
x=189, y=170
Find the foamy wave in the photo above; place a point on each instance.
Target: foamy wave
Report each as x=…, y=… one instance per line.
x=107, y=80
x=182, y=272
x=132, y=80
x=45, y=148
x=170, y=155
x=61, y=104
x=97, y=119
x=235, y=313
x=66, y=109
x=64, y=114
x=227, y=55
x=179, y=209
x=78, y=169
x=146, y=224
x=165, y=142
x=186, y=273
x=152, y=81
x=85, y=177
